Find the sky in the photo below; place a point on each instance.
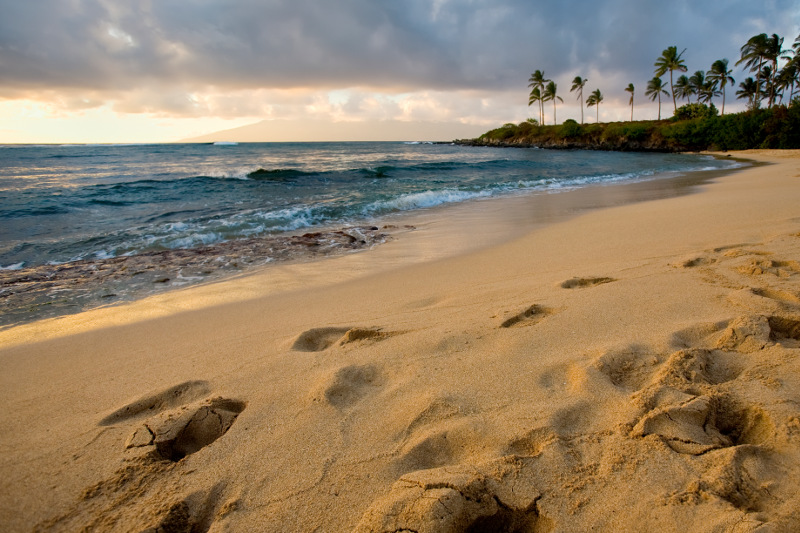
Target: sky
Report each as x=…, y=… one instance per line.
x=164, y=70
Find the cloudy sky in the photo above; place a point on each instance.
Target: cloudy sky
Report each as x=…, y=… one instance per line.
x=163, y=70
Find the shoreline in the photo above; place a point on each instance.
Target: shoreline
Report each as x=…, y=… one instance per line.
x=628, y=368
x=448, y=230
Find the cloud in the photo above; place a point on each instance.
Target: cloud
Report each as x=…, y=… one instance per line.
x=274, y=57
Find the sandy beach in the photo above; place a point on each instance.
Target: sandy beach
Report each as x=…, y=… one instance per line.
x=630, y=368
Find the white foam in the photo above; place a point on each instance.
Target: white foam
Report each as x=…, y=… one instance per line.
x=420, y=200
x=194, y=239
x=15, y=266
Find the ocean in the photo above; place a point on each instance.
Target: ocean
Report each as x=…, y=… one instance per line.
x=88, y=225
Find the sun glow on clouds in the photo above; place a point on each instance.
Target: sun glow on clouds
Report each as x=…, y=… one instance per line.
x=169, y=114
x=28, y=121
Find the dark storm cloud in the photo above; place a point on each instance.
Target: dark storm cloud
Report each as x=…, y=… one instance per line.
x=408, y=45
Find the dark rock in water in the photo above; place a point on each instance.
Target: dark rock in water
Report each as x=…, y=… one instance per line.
x=52, y=290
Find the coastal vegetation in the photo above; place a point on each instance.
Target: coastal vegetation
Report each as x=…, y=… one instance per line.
x=694, y=127
x=771, y=118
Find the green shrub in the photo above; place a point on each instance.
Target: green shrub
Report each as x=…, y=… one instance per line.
x=638, y=131
x=613, y=132
x=570, y=129
x=693, y=111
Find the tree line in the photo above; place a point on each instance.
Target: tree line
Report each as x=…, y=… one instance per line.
x=760, y=56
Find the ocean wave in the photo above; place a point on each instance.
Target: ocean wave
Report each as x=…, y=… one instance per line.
x=110, y=203
x=377, y=172
x=277, y=174
x=422, y=200
x=35, y=212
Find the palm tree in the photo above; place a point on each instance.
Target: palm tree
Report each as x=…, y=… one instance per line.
x=788, y=77
x=538, y=81
x=791, y=76
x=773, y=52
x=709, y=91
x=577, y=85
x=630, y=89
x=594, y=100
x=765, y=82
x=758, y=50
x=749, y=89
x=752, y=52
x=720, y=74
x=697, y=82
x=550, y=94
x=671, y=61
x=683, y=88
x=655, y=88
x=535, y=97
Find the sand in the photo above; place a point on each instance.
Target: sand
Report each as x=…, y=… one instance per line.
x=634, y=368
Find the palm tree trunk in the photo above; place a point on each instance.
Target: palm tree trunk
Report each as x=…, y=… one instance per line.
x=554, y=112
x=723, y=100
x=581, y=97
x=773, y=83
x=659, y=106
x=631, y=111
x=758, y=85
x=672, y=88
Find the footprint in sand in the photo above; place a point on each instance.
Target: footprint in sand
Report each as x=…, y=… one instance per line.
x=694, y=261
x=686, y=369
x=684, y=408
x=320, y=339
x=752, y=333
x=455, y=499
x=528, y=317
x=155, y=403
x=627, y=368
x=175, y=435
x=196, y=512
x=758, y=267
x=531, y=443
x=581, y=283
x=785, y=297
x=348, y=385
x=783, y=329
x=445, y=442
x=695, y=425
x=436, y=410
x=741, y=477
